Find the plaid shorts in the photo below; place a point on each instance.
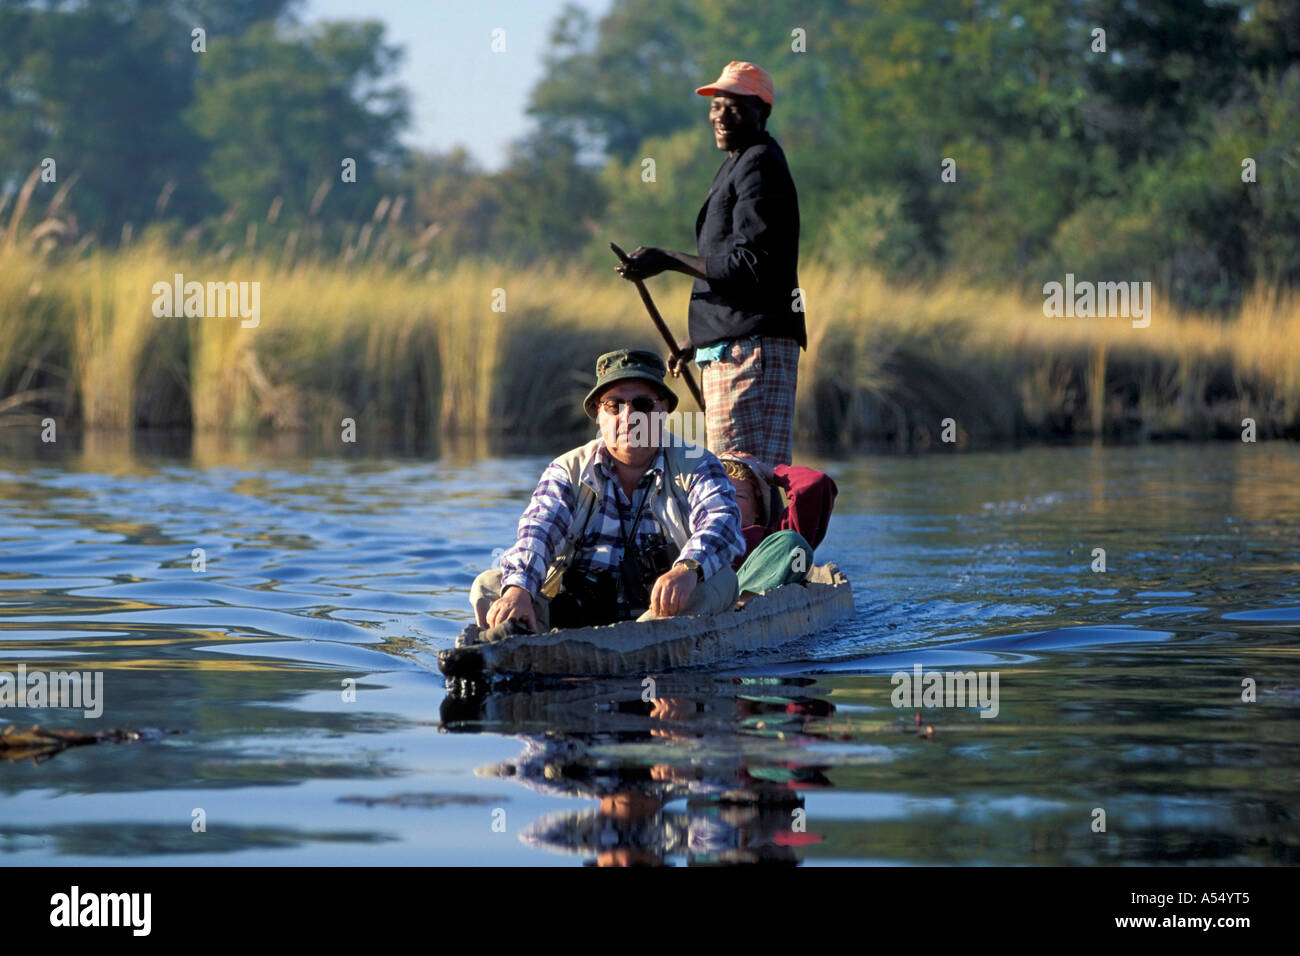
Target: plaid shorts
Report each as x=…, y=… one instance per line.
x=749, y=398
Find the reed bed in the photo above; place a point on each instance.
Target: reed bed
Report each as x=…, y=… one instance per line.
x=483, y=348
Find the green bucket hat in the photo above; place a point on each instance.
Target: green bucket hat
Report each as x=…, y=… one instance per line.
x=614, y=367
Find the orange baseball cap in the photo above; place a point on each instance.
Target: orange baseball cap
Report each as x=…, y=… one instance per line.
x=743, y=78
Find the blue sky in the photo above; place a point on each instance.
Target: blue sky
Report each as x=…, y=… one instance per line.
x=462, y=92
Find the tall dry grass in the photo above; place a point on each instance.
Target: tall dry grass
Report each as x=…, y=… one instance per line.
x=889, y=362
x=415, y=352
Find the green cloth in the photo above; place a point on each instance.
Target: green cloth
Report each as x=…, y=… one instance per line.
x=783, y=557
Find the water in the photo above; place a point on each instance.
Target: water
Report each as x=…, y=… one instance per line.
x=1119, y=691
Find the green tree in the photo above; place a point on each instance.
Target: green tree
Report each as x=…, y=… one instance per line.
x=614, y=92
x=550, y=202
x=282, y=112
x=459, y=202
x=100, y=88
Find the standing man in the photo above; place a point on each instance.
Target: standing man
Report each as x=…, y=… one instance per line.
x=746, y=322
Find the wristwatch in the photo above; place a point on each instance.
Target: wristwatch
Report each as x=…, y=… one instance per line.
x=693, y=565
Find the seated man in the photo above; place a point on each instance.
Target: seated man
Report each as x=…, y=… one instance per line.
x=779, y=540
x=633, y=524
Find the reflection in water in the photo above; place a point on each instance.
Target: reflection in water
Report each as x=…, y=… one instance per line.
x=295, y=658
x=740, y=806
x=39, y=744
x=106, y=842
x=628, y=832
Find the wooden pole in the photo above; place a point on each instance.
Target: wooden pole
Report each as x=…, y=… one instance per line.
x=662, y=326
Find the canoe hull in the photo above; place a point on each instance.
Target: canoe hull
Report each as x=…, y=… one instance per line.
x=767, y=621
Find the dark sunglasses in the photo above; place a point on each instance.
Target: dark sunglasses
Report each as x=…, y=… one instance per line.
x=642, y=404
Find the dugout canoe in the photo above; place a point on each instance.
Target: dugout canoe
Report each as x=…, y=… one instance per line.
x=767, y=621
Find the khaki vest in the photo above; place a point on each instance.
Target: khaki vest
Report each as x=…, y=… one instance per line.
x=671, y=510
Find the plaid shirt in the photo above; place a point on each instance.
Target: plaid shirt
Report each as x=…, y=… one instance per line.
x=714, y=522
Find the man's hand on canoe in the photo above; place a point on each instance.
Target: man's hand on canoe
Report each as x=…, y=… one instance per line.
x=515, y=602
x=672, y=590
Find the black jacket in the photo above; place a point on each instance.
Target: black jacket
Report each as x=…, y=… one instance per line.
x=747, y=232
